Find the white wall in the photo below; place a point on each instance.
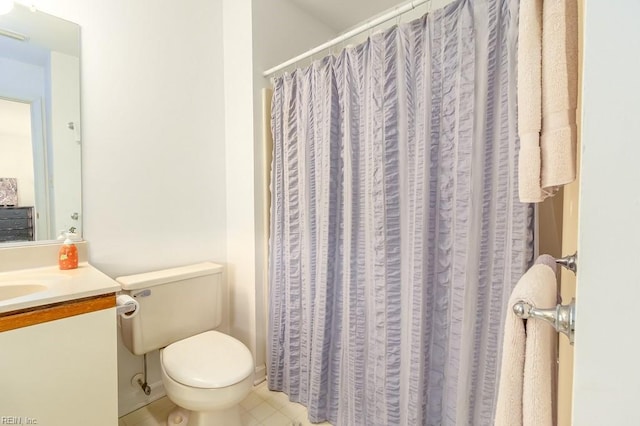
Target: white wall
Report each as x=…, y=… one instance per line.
x=282, y=30
x=19, y=165
x=607, y=349
x=16, y=155
x=152, y=113
x=239, y=162
x=153, y=139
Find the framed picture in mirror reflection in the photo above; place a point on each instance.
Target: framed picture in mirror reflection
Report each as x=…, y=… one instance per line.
x=8, y=192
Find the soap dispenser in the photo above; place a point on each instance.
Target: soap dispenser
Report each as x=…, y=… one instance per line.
x=68, y=254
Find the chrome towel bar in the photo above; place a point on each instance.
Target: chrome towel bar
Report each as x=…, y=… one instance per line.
x=562, y=317
x=570, y=262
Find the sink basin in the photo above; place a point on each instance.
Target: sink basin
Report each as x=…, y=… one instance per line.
x=13, y=286
x=9, y=291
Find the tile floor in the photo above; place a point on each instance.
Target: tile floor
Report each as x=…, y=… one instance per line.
x=261, y=408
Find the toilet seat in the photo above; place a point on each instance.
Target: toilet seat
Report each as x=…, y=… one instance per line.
x=208, y=360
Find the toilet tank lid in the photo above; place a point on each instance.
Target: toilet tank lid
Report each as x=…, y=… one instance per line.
x=150, y=279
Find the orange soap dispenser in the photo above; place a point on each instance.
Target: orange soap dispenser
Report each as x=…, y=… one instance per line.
x=68, y=254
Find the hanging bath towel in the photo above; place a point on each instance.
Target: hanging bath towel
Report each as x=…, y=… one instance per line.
x=547, y=96
x=526, y=396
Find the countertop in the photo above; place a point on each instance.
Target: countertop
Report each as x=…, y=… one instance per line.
x=61, y=286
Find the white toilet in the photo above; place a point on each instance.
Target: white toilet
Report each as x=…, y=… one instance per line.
x=203, y=371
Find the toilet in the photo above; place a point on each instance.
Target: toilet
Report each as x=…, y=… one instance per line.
x=206, y=373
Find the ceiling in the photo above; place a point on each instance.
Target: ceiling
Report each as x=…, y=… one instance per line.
x=341, y=15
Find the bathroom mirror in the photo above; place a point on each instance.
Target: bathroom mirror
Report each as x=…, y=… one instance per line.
x=40, y=144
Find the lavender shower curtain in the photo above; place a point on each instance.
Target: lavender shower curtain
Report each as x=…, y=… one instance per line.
x=396, y=231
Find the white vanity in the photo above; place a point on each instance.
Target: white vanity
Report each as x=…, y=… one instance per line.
x=58, y=339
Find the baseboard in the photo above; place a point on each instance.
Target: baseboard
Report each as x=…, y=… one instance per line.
x=136, y=400
x=260, y=374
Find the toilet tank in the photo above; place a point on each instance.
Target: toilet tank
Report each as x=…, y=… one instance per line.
x=174, y=303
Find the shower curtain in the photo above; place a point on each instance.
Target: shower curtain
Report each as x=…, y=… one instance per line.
x=396, y=231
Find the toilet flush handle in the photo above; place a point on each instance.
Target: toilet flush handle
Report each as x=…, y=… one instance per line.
x=143, y=293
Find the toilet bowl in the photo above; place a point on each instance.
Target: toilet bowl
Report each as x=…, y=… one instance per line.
x=205, y=372
x=208, y=374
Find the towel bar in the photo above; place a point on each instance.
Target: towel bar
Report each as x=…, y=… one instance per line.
x=570, y=262
x=562, y=317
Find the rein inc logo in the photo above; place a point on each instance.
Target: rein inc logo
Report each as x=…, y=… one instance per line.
x=17, y=420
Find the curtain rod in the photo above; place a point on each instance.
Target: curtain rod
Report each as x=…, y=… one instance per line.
x=354, y=32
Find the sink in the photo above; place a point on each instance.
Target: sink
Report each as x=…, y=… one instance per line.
x=13, y=286
x=9, y=291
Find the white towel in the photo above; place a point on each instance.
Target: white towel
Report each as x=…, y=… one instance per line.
x=530, y=100
x=547, y=96
x=559, y=93
x=527, y=394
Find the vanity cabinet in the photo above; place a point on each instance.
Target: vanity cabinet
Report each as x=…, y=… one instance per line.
x=16, y=223
x=62, y=371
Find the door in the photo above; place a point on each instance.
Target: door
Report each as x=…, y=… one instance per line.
x=606, y=387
